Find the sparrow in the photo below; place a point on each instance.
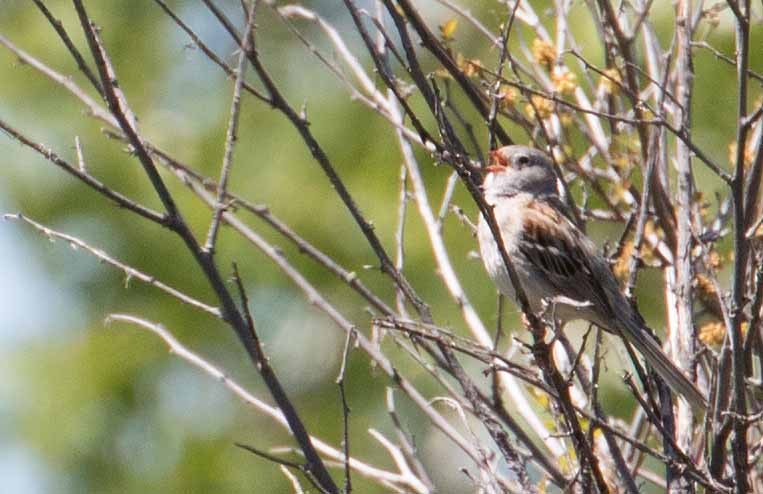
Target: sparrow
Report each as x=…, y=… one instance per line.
x=557, y=265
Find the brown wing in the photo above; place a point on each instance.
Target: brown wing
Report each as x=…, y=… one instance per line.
x=567, y=261
x=562, y=255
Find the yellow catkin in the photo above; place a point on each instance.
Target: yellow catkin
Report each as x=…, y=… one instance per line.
x=565, y=82
x=543, y=106
x=712, y=333
x=705, y=287
x=469, y=66
x=714, y=260
x=543, y=52
x=749, y=154
x=703, y=205
x=507, y=95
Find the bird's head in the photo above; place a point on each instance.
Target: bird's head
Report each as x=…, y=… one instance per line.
x=519, y=169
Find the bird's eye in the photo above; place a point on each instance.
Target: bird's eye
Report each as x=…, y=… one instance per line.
x=523, y=160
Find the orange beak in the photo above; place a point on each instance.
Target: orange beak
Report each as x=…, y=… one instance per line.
x=497, y=162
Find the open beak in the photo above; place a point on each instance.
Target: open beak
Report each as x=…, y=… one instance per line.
x=497, y=163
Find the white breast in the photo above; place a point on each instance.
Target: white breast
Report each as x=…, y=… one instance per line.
x=508, y=216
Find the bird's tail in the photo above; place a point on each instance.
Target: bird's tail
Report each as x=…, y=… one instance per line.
x=648, y=346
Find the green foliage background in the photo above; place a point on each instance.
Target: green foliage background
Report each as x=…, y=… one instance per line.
x=90, y=408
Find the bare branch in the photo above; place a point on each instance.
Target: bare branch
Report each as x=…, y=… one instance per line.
x=345, y=411
x=61, y=31
x=230, y=313
x=129, y=271
x=177, y=348
x=231, y=136
x=741, y=251
x=85, y=177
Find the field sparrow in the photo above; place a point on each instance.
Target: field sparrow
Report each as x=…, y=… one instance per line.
x=557, y=264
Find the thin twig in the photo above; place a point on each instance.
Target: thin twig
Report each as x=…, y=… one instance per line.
x=293, y=479
x=61, y=31
x=495, y=95
x=340, y=380
x=80, y=155
x=129, y=271
x=231, y=136
x=725, y=58
x=66, y=82
x=177, y=348
x=435, y=47
x=208, y=51
x=89, y=180
x=450, y=188
x=739, y=444
x=408, y=448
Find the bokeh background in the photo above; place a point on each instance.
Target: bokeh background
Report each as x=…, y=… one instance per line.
x=86, y=407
